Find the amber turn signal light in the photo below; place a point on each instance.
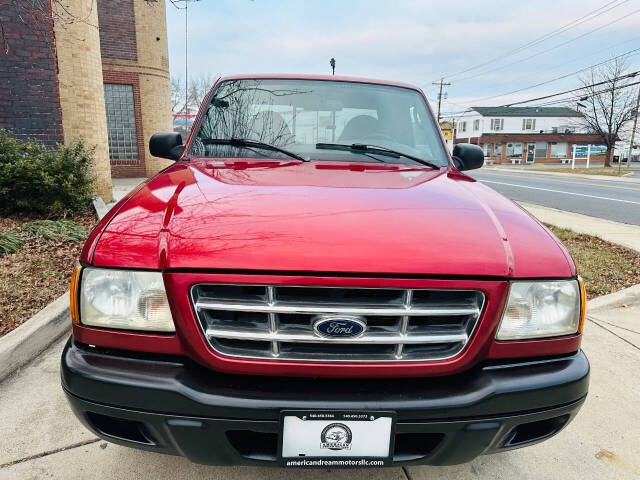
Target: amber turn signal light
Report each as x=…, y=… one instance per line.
x=73, y=295
x=583, y=304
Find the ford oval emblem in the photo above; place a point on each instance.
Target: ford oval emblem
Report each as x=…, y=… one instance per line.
x=339, y=326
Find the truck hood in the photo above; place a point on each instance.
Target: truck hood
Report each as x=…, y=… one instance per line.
x=324, y=217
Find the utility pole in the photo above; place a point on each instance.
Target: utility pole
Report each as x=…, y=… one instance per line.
x=633, y=130
x=442, y=83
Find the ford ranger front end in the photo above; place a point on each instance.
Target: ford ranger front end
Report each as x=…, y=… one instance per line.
x=316, y=282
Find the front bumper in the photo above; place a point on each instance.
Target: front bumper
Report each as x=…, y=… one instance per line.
x=172, y=405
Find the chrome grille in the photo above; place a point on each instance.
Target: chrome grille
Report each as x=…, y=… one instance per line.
x=264, y=321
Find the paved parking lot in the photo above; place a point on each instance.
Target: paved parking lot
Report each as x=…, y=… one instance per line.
x=40, y=438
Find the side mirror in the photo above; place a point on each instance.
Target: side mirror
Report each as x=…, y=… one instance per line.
x=467, y=156
x=166, y=145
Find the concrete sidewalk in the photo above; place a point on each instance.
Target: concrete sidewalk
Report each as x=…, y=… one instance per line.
x=634, y=176
x=40, y=437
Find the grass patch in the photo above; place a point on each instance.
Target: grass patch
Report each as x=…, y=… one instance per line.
x=56, y=230
x=611, y=171
x=10, y=242
x=605, y=267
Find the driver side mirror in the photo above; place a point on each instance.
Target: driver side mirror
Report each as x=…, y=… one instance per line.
x=467, y=156
x=166, y=145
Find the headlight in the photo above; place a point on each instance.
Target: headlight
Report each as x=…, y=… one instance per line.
x=542, y=309
x=124, y=299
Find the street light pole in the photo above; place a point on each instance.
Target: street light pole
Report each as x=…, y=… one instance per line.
x=633, y=130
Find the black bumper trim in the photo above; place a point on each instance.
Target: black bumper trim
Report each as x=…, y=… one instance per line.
x=185, y=409
x=180, y=386
x=208, y=441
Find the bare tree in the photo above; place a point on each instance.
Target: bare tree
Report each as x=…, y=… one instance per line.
x=40, y=16
x=177, y=93
x=198, y=88
x=244, y=109
x=610, y=104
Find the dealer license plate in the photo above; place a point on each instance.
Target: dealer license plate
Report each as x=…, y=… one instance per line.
x=336, y=438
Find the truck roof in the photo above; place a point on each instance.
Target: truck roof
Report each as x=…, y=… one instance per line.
x=295, y=76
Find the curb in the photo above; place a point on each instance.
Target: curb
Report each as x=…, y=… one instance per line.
x=23, y=344
x=615, y=299
x=100, y=206
x=626, y=178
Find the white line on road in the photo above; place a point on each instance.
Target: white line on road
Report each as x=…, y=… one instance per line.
x=577, y=181
x=561, y=191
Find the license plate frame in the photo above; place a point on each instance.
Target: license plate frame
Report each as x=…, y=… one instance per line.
x=360, y=427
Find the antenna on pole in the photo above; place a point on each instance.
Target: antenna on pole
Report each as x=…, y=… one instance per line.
x=332, y=62
x=186, y=57
x=442, y=83
x=186, y=49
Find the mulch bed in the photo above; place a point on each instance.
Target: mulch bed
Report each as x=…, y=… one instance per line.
x=38, y=273
x=605, y=267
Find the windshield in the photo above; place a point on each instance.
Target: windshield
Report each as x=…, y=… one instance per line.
x=297, y=115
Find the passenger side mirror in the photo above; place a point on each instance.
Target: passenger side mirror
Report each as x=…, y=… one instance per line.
x=467, y=156
x=166, y=145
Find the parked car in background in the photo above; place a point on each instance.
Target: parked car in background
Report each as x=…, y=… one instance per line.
x=316, y=282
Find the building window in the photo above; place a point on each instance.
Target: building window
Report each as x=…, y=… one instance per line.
x=541, y=150
x=559, y=149
x=121, y=122
x=497, y=150
x=485, y=149
x=514, y=150
x=528, y=124
x=476, y=125
x=497, y=123
x=462, y=126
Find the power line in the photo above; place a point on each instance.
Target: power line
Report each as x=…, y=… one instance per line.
x=630, y=52
x=575, y=59
x=628, y=75
x=554, y=47
x=593, y=14
x=580, y=96
x=586, y=96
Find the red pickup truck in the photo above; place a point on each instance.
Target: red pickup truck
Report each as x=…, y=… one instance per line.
x=316, y=282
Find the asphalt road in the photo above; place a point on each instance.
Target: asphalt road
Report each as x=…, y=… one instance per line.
x=602, y=198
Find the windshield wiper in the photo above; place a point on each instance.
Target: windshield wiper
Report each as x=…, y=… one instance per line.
x=244, y=142
x=375, y=149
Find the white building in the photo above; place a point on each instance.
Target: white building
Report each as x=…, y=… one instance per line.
x=525, y=134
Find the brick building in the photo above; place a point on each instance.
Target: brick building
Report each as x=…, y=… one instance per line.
x=527, y=134
x=92, y=70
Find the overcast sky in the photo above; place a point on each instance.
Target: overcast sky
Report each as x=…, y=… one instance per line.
x=408, y=40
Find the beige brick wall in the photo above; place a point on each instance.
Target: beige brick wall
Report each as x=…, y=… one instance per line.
x=80, y=83
x=152, y=68
x=153, y=58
